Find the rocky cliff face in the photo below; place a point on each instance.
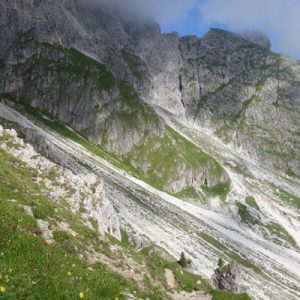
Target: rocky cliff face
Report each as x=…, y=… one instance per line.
x=231, y=84
x=78, y=91
x=246, y=94
x=227, y=278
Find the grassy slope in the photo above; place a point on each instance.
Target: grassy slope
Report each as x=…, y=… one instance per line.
x=165, y=154
x=32, y=269
x=35, y=269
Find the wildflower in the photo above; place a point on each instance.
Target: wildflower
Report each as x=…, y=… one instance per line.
x=6, y=278
x=2, y=289
x=73, y=266
x=81, y=295
x=69, y=273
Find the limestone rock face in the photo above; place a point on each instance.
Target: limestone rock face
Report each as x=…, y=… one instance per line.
x=81, y=191
x=245, y=95
x=230, y=84
x=227, y=278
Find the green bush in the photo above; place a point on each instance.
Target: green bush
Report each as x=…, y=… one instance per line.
x=182, y=261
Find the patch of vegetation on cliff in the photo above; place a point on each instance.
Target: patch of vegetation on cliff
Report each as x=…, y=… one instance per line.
x=251, y=202
x=162, y=160
x=55, y=58
x=225, y=133
x=287, y=197
x=130, y=113
x=136, y=65
x=245, y=215
x=221, y=189
x=189, y=193
x=282, y=235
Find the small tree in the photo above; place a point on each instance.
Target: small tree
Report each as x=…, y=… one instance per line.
x=221, y=263
x=183, y=261
x=205, y=182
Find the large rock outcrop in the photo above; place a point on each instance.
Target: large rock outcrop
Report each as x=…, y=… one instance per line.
x=83, y=192
x=227, y=278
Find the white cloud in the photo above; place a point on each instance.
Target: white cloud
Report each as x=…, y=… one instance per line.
x=160, y=10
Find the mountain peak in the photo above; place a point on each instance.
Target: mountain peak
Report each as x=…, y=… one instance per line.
x=258, y=38
x=254, y=37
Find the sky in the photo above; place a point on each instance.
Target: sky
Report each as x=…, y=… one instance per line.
x=278, y=19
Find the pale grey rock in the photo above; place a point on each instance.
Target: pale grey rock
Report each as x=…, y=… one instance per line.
x=49, y=150
x=28, y=210
x=47, y=234
x=227, y=278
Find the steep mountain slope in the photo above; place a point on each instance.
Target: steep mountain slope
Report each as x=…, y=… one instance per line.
x=213, y=121
x=240, y=90
x=243, y=235
x=60, y=236
x=248, y=95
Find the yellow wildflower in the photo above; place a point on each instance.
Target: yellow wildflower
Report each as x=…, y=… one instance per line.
x=2, y=289
x=69, y=273
x=81, y=295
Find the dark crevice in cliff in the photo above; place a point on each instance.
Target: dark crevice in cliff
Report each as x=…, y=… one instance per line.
x=181, y=89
